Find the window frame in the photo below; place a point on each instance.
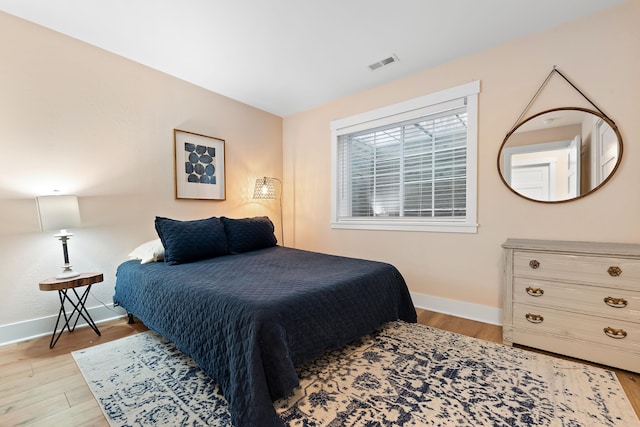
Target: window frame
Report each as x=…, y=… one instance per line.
x=396, y=113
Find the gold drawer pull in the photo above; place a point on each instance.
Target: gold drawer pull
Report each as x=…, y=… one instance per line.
x=615, y=333
x=614, y=271
x=615, y=302
x=535, y=292
x=534, y=264
x=534, y=318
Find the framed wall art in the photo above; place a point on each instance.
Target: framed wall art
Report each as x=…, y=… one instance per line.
x=199, y=166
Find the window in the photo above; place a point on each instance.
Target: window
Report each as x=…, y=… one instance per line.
x=409, y=166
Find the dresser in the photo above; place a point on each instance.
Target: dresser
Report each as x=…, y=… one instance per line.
x=579, y=299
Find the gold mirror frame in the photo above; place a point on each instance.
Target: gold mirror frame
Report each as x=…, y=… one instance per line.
x=582, y=188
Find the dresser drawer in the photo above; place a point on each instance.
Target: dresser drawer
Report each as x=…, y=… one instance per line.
x=604, y=271
x=613, y=303
x=613, y=333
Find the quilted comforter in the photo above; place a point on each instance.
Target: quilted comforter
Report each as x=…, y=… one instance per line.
x=249, y=319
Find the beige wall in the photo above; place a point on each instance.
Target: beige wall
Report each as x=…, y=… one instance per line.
x=79, y=119
x=560, y=133
x=599, y=53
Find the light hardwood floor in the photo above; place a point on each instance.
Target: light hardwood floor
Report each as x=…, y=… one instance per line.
x=43, y=387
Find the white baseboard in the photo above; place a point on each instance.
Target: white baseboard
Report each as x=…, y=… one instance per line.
x=34, y=328
x=466, y=310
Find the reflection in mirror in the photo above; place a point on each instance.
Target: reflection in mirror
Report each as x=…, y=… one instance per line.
x=560, y=155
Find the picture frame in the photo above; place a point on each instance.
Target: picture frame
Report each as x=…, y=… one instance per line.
x=199, y=166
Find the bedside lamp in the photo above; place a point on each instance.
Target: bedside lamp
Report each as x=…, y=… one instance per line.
x=265, y=189
x=60, y=213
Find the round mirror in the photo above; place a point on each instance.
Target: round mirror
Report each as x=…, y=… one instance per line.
x=560, y=155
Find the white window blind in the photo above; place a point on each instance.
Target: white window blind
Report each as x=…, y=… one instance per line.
x=408, y=169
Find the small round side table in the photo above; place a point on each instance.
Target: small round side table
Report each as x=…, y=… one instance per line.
x=63, y=286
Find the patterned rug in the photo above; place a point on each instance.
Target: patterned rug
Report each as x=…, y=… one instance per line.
x=402, y=375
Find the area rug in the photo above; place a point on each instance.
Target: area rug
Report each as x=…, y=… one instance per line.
x=401, y=375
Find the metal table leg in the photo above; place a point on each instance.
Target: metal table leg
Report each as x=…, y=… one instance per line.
x=79, y=309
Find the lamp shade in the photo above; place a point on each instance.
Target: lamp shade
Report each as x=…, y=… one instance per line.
x=264, y=189
x=58, y=212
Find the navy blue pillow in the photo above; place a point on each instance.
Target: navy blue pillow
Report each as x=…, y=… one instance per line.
x=187, y=241
x=249, y=234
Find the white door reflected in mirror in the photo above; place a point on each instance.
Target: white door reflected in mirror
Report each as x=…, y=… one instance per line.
x=560, y=155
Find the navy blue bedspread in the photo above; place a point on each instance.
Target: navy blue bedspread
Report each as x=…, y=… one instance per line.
x=249, y=319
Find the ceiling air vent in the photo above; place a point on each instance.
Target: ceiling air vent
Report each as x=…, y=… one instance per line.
x=390, y=60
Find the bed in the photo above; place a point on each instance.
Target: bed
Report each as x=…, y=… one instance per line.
x=250, y=315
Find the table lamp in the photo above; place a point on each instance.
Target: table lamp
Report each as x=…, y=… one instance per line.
x=60, y=213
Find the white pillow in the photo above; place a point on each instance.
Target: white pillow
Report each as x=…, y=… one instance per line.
x=148, y=252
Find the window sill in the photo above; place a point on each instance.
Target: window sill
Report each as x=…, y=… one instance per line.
x=395, y=225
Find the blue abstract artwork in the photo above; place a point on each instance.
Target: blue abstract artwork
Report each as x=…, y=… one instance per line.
x=200, y=163
x=199, y=166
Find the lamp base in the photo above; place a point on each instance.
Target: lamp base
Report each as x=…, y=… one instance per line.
x=67, y=273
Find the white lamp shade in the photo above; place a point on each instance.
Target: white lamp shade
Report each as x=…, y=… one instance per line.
x=58, y=212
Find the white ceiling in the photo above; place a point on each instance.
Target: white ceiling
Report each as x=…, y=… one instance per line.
x=286, y=56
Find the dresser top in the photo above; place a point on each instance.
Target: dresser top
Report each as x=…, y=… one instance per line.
x=593, y=248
